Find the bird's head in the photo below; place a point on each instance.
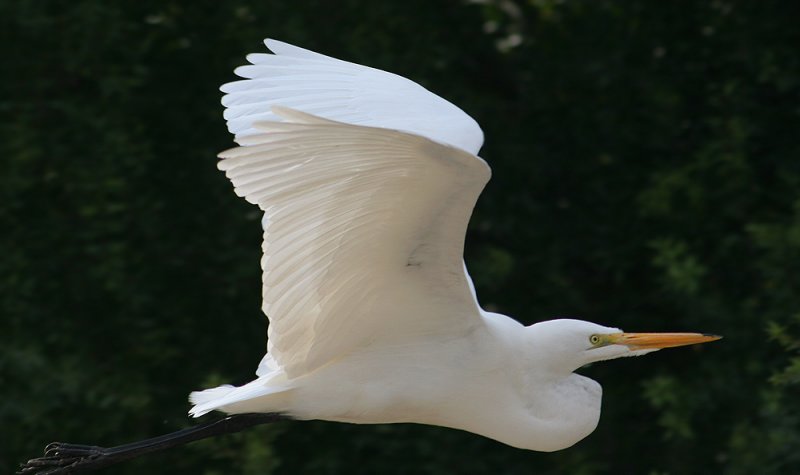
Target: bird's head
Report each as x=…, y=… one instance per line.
x=565, y=344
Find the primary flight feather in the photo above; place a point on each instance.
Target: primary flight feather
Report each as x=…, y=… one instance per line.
x=367, y=182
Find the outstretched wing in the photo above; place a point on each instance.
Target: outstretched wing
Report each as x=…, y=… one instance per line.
x=364, y=235
x=346, y=92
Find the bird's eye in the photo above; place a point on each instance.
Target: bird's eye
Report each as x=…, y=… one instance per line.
x=594, y=339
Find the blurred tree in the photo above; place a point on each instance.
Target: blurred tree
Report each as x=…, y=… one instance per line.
x=646, y=176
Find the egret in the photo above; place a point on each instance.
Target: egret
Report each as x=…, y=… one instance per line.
x=367, y=181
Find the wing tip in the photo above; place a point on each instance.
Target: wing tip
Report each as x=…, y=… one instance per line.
x=282, y=48
x=273, y=44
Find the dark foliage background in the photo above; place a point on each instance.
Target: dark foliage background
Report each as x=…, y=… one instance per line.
x=646, y=176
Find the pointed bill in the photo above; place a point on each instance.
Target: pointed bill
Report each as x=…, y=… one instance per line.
x=644, y=341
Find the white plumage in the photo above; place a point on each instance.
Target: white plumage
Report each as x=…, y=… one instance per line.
x=338, y=90
x=367, y=181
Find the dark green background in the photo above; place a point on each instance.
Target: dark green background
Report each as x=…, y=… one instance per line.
x=646, y=175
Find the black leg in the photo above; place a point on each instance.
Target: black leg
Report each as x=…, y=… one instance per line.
x=62, y=458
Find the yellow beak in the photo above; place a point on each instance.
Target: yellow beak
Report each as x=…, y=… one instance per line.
x=643, y=341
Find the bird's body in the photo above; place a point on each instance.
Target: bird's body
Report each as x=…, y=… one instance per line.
x=478, y=383
x=482, y=381
x=367, y=181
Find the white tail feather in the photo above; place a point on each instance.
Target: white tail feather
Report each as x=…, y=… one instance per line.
x=233, y=400
x=208, y=395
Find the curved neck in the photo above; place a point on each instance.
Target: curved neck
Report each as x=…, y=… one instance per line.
x=526, y=401
x=566, y=409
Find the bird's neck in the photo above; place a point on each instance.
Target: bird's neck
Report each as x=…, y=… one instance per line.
x=562, y=404
x=530, y=404
x=537, y=414
x=565, y=409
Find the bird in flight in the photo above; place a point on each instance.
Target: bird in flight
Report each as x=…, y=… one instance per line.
x=367, y=182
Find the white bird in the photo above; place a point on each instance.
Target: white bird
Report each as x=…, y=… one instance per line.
x=367, y=181
x=373, y=317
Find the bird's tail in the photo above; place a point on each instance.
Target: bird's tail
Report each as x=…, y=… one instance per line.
x=205, y=396
x=256, y=396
